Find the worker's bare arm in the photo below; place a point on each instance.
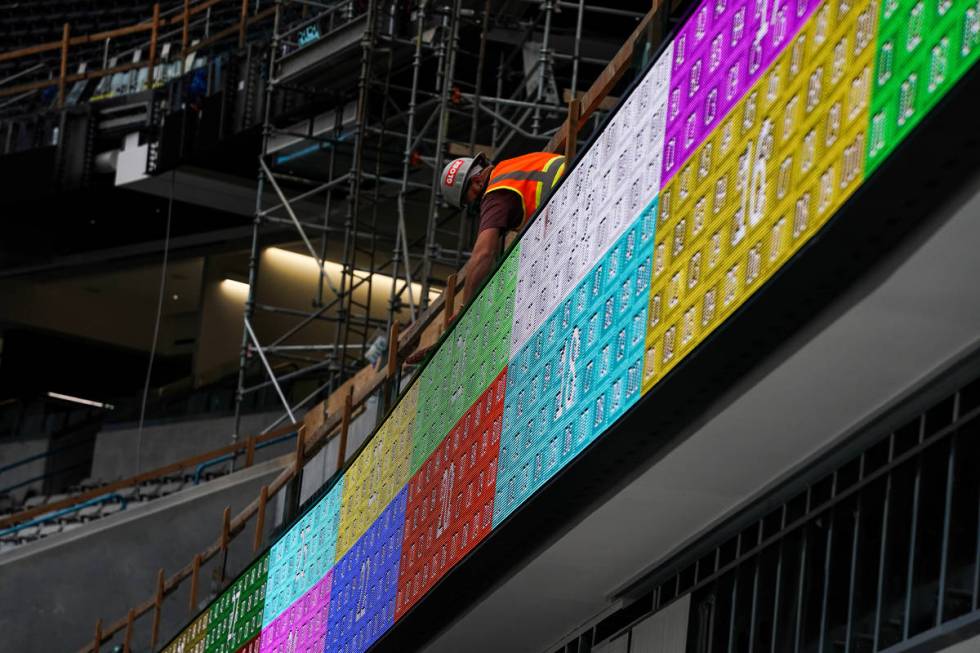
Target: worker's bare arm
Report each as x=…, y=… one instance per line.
x=485, y=252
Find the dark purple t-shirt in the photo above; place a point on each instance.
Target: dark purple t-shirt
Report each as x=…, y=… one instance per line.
x=501, y=209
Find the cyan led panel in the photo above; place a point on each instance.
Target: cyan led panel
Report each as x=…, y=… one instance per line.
x=304, y=555
x=579, y=372
x=365, y=581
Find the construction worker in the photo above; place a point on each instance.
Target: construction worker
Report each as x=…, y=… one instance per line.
x=508, y=194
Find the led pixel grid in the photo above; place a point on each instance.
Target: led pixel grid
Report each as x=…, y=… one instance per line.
x=235, y=618
x=365, y=581
x=450, y=498
x=779, y=165
x=378, y=473
x=472, y=357
x=579, y=372
x=303, y=555
x=302, y=627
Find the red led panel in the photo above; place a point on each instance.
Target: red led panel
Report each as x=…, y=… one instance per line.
x=450, y=497
x=251, y=646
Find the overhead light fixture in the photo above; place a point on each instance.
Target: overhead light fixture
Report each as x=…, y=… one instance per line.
x=79, y=400
x=306, y=262
x=234, y=285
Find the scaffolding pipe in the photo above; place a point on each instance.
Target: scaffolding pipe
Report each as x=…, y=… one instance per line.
x=450, y=63
x=401, y=236
x=543, y=64
x=576, y=52
x=268, y=369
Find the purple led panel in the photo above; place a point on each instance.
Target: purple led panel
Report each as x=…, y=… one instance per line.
x=721, y=50
x=365, y=582
x=302, y=627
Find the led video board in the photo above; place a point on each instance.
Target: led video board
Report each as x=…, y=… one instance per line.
x=745, y=136
x=450, y=498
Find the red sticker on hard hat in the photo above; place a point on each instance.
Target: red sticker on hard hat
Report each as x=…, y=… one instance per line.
x=453, y=169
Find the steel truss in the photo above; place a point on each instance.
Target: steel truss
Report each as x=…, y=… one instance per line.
x=378, y=139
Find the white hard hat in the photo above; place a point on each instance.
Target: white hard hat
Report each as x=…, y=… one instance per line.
x=456, y=174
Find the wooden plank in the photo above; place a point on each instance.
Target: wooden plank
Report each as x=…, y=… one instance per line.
x=63, y=66
x=128, y=639
x=448, y=311
x=344, y=429
x=571, y=124
x=242, y=23
x=607, y=79
x=151, y=64
x=157, y=608
x=260, y=520
x=185, y=33
x=195, y=574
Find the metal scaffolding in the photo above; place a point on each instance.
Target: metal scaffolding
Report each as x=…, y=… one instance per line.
x=364, y=103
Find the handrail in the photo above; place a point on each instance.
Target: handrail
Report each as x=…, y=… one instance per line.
x=153, y=26
x=38, y=456
x=144, y=26
x=67, y=511
x=180, y=465
x=41, y=477
x=230, y=456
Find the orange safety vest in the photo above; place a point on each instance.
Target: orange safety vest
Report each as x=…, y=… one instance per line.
x=531, y=176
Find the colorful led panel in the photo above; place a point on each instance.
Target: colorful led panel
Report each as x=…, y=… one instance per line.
x=778, y=166
x=923, y=48
x=474, y=354
x=302, y=627
x=365, y=582
x=718, y=54
x=378, y=473
x=616, y=178
x=737, y=146
x=235, y=618
x=450, y=499
x=303, y=555
x=579, y=372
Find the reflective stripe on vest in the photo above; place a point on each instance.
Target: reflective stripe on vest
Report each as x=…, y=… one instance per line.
x=531, y=176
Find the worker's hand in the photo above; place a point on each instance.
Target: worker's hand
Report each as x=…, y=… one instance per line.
x=418, y=355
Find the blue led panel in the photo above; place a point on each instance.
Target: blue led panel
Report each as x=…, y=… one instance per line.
x=365, y=582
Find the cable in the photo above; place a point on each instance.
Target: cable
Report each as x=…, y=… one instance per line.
x=156, y=324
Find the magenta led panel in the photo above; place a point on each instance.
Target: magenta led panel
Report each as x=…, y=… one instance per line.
x=302, y=627
x=718, y=54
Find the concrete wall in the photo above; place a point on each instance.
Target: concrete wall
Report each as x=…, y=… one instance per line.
x=12, y=451
x=116, y=449
x=52, y=591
